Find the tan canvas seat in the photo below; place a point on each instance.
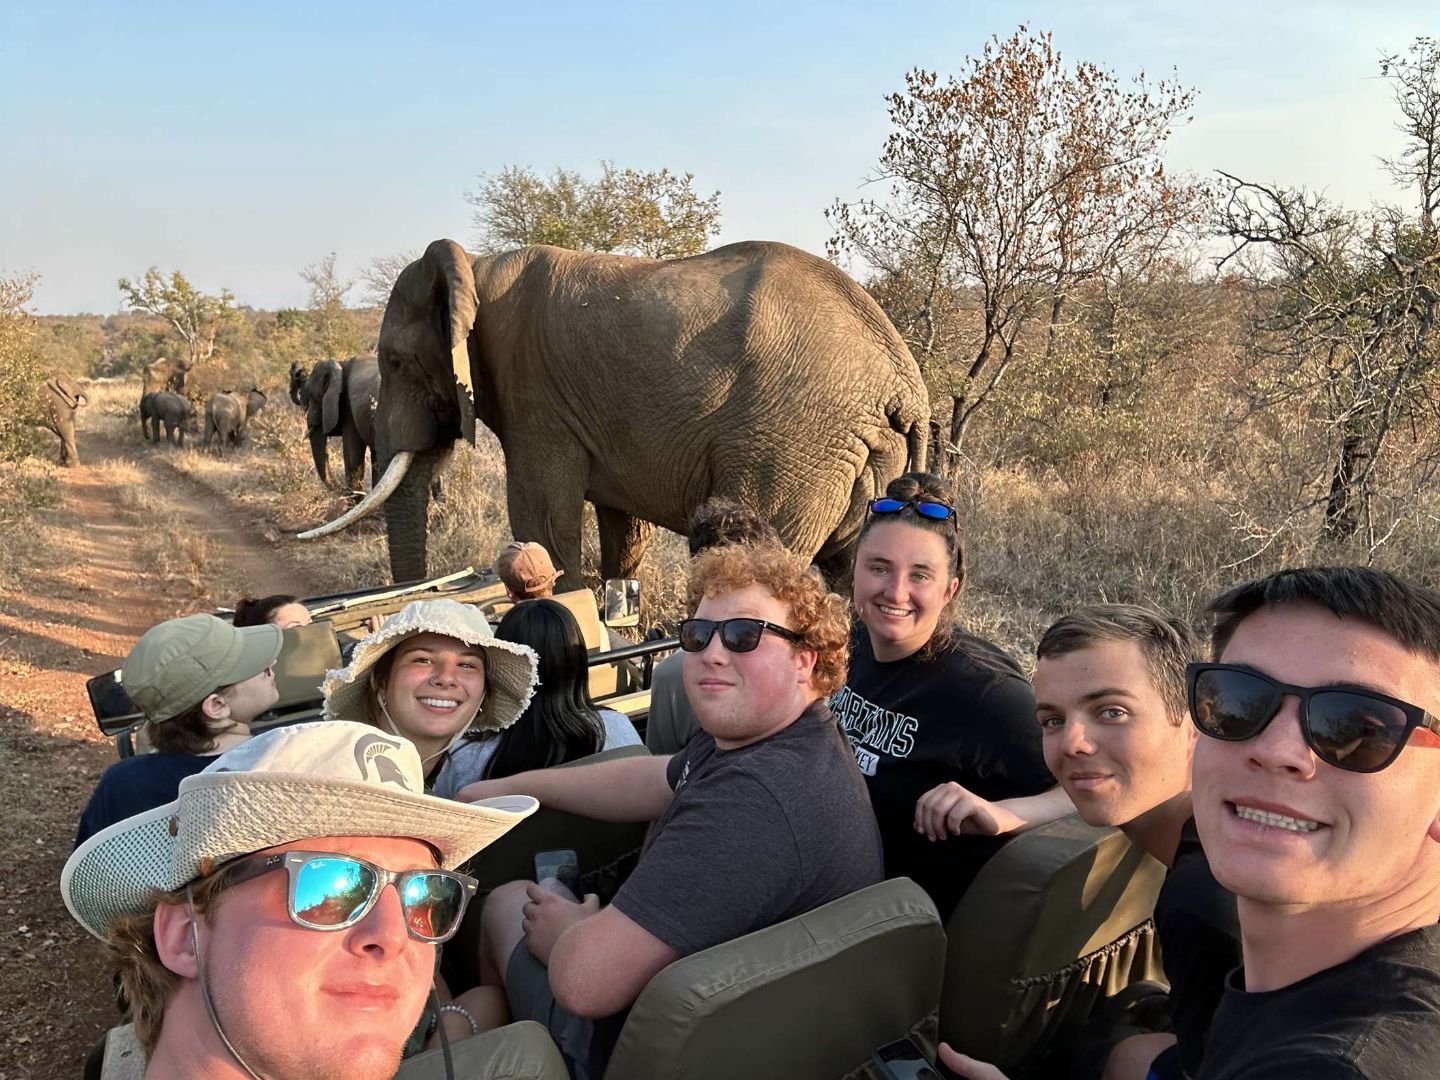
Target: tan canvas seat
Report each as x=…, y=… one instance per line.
x=522, y=1051
x=1059, y=919
x=806, y=999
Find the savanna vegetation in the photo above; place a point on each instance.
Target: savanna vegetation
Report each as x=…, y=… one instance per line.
x=1146, y=385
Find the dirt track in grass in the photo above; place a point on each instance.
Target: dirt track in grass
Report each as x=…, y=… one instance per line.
x=102, y=571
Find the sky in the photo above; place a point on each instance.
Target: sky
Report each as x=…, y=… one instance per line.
x=242, y=142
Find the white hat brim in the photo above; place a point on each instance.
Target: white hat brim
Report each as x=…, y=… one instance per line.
x=219, y=816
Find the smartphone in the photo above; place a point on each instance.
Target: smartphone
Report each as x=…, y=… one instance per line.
x=902, y=1060
x=563, y=865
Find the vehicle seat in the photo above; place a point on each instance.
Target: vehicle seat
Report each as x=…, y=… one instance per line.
x=307, y=654
x=605, y=850
x=1056, y=921
x=806, y=999
x=521, y=1051
x=581, y=603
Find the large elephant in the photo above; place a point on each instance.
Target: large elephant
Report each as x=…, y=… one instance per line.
x=172, y=410
x=63, y=396
x=755, y=371
x=339, y=399
x=227, y=414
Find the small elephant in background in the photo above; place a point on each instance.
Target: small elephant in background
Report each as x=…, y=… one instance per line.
x=172, y=410
x=62, y=397
x=226, y=415
x=338, y=397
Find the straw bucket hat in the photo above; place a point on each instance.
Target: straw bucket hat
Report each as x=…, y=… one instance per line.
x=510, y=668
x=287, y=784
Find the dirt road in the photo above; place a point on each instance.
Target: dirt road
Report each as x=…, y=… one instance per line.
x=94, y=592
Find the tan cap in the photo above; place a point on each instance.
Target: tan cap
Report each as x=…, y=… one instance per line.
x=179, y=663
x=525, y=568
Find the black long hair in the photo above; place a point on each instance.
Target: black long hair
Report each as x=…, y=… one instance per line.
x=252, y=612
x=561, y=722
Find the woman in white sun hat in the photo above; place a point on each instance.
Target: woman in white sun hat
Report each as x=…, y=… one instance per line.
x=432, y=672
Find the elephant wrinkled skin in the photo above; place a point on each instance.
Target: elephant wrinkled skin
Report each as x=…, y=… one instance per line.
x=226, y=415
x=754, y=371
x=62, y=397
x=172, y=410
x=339, y=399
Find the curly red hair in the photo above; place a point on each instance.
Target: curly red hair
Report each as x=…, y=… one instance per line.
x=819, y=616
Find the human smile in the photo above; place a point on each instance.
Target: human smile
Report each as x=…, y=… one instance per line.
x=442, y=704
x=1274, y=819
x=893, y=612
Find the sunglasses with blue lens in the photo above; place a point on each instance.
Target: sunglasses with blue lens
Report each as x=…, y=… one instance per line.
x=935, y=511
x=329, y=891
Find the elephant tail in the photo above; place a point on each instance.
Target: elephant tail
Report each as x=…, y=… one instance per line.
x=917, y=442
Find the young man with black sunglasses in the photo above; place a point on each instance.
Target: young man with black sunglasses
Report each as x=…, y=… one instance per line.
x=1317, y=796
x=281, y=917
x=763, y=815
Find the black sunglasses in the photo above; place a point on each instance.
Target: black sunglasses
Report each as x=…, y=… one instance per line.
x=329, y=891
x=737, y=635
x=935, y=511
x=1348, y=727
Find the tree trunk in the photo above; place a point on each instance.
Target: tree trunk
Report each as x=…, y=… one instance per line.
x=1342, y=507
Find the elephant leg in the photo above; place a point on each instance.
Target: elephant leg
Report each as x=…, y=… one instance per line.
x=353, y=450
x=545, y=494
x=623, y=540
x=69, y=455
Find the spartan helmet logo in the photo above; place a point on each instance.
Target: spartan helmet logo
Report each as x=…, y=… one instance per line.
x=372, y=749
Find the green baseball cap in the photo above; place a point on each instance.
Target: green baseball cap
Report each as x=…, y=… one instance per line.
x=179, y=663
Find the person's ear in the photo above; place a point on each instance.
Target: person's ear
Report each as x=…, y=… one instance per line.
x=805, y=660
x=952, y=589
x=215, y=707
x=175, y=940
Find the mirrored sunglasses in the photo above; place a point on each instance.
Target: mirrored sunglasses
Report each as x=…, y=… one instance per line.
x=1350, y=728
x=329, y=891
x=737, y=635
x=935, y=511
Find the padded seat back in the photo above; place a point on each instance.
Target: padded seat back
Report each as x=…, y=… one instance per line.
x=1057, y=920
x=581, y=603
x=806, y=999
x=522, y=1051
x=307, y=654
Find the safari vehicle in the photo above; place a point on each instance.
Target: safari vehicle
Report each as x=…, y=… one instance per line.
x=1056, y=923
x=619, y=676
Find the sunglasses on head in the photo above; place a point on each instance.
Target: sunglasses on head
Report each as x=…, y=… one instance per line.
x=1348, y=727
x=935, y=511
x=331, y=892
x=737, y=635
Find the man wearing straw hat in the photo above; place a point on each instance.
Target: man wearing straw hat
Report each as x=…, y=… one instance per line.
x=252, y=920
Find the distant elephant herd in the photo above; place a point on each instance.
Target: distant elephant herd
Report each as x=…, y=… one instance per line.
x=755, y=371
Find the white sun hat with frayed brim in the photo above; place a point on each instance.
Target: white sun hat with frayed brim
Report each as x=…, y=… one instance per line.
x=510, y=668
x=321, y=779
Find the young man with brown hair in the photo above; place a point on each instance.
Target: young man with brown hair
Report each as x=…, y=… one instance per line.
x=281, y=917
x=763, y=815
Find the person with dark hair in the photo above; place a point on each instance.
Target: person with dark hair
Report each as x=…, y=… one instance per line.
x=1110, y=699
x=671, y=722
x=560, y=724
x=282, y=610
x=932, y=712
x=199, y=682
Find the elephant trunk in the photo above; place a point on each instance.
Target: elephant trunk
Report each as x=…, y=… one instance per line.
x=394, y=474
x=320, y=451
x=406, y=519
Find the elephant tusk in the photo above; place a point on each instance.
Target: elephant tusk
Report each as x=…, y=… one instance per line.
x=383, y=489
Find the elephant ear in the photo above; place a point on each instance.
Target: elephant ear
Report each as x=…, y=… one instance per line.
x=330, y=401
x=453, y=267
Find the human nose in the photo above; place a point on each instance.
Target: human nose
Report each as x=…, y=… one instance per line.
x=714, y=652
x=1075, y=739
x=1282, y=744
x=443, y=672
x=382, y=932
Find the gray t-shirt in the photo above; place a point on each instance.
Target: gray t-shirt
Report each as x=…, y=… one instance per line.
x=467, y=761
x=755, y=836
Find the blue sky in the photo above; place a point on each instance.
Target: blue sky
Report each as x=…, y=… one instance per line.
x=240, y=142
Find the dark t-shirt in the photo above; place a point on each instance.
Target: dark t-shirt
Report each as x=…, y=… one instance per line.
x=754, y=836
x=134, y=785
x=1199, y=934
x=966, y=715
x=1375, y=1017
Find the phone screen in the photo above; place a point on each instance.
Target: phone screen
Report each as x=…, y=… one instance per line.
x=563, y=865
x=902, y=1060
